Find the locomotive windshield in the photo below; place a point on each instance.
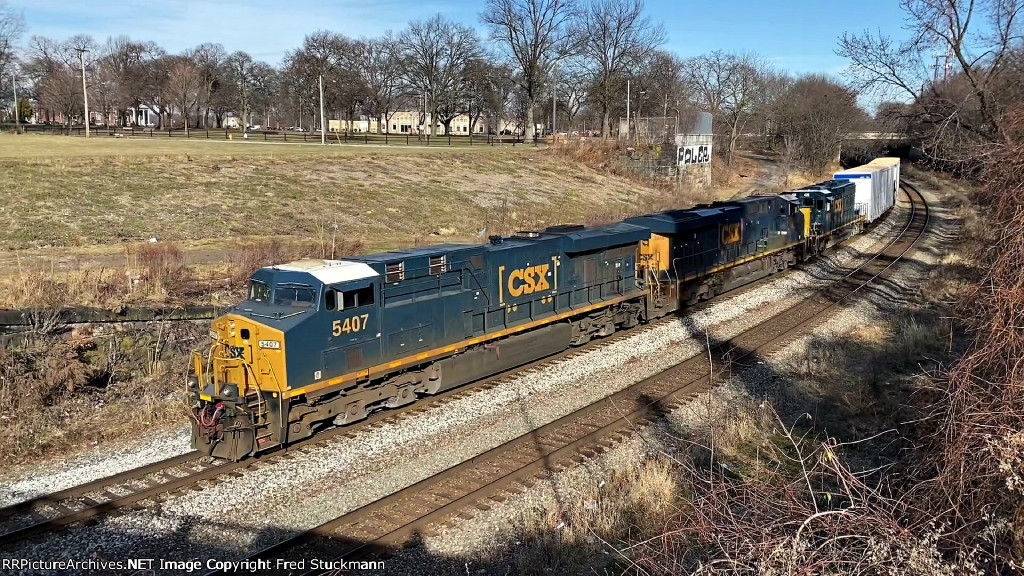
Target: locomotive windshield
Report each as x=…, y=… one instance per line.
x=294, y=295
x=259, y=291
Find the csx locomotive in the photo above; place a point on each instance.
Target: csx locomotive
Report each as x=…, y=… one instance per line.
x=325, y=342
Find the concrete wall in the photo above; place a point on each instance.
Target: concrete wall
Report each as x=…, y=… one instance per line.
x=695, y=166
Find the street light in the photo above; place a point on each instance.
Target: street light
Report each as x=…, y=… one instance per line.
x=323, y=130
x=627, y=110
x=17, y=109
x=554, y=105
x=638, y=104
x=85, y=94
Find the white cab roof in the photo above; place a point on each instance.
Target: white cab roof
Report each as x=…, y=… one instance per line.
x=330, y=271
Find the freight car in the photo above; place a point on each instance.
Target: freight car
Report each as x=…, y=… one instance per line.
x=322, y=342
x=877, y=183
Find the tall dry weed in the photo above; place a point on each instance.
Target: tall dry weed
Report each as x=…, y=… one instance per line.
x=969, y=478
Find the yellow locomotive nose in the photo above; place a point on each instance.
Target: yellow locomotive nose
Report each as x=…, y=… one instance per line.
x=234, y=384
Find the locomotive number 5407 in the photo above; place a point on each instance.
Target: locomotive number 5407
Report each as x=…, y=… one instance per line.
x=353, y=324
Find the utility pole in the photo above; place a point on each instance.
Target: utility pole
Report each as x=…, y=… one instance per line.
x=323, y=121
x=627, y=109
x=85, y=93
x=554, y=107
x=17, y=109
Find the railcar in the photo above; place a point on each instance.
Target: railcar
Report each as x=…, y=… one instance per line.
x=877, y=184
x=693, y=255
x=322, y=342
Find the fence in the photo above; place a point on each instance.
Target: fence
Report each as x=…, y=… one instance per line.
x=280, y=136
x=649, y=130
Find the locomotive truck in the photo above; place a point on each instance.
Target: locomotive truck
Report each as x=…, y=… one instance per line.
x=318, y=343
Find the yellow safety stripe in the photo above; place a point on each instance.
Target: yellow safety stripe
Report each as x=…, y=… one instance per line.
x=445, y=350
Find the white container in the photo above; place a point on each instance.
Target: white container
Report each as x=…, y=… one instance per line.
x=875, y=185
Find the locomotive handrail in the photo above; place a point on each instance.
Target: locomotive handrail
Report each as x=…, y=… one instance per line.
x=482, y=289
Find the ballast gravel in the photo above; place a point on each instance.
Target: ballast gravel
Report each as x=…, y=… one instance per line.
x=29, y=481
x=270, y=501
x=458, y=549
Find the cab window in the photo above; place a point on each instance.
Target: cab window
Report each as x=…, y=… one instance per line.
x=259, y=291
x=294, y=295
x=356, y=298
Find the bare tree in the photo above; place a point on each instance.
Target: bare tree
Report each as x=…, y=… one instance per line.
x=727, y=85
x=61, y=91
x=435, y=56
x=951, y=67
x=155, y=68
x=574, y=83
x=378, y=63
x=815, y=115
x=239, y=66
x=124, y=62
x=668, y=88
x=534, y=34
x=264, y=88
x=12, y=26
x=209, y=59
x=184, y=87
x=615, y=36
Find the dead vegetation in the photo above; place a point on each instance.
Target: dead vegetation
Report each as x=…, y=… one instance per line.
x=894, y=449
x=91, y=385
x=159, y=276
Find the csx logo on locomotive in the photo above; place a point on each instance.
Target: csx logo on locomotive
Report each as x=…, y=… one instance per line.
x=528, y=280
x=524, y=281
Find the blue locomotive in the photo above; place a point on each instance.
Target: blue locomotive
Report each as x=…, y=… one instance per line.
x=322, y=342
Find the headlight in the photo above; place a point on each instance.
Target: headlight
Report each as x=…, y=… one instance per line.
x=214, y=335
x=270, y=344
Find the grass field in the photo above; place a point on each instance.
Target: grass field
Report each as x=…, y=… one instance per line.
x=77, y=193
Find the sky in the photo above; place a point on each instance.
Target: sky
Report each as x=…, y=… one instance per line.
x=794, y=35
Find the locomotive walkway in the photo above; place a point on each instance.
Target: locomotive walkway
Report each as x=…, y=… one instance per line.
x=518, y=464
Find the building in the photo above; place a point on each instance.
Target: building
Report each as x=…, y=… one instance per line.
x=408, y=122
x=143, y=115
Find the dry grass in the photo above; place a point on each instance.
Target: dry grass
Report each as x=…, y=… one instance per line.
x=116, y=193
x=159, y=275
x=57, y=392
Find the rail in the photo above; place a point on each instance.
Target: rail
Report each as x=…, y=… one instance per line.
x=515, y=466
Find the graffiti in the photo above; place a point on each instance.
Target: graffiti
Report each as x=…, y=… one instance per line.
x=697, y=154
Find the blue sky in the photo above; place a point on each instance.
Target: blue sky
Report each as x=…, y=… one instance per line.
x=796, y=35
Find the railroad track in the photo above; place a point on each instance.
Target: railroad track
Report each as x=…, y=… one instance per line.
x=519, y=463
x=133, y=488
x=136, y=487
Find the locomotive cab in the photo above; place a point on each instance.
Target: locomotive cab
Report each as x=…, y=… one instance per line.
x=240, y=384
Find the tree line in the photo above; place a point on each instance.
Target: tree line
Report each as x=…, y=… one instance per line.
x=576, y=56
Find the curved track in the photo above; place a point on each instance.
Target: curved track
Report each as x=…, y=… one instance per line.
x=516, y=465
x=137, y=486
